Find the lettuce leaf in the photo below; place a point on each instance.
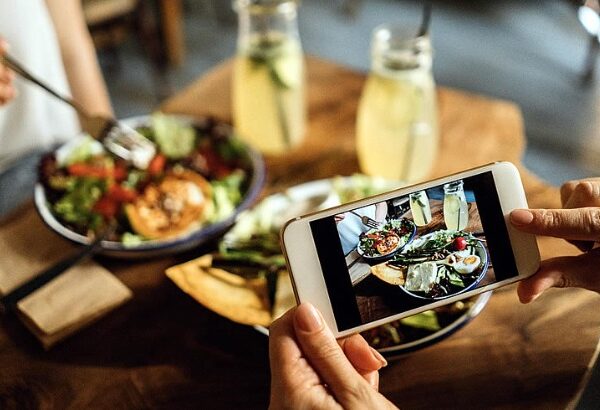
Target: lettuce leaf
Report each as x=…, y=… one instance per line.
x=226, y=195
x=174, y=138
x=76, y=206
x=427, y=320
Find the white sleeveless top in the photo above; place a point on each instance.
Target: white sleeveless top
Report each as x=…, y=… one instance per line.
x=34, y=119
x=350, y=228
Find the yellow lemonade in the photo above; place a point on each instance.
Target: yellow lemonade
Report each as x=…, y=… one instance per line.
x=268, y=93
x=456, y=213
x=397, y=135
x=420, y=209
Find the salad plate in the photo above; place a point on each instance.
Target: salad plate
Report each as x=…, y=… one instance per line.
x=442, y=264
x=383, y=243
x=201, y=178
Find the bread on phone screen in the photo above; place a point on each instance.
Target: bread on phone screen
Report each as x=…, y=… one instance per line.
x=391, y=274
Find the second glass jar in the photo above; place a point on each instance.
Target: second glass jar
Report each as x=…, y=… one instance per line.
x=456, y=208
x=397, y=130
x=269, y=109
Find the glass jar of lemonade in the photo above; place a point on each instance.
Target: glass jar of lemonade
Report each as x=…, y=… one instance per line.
x=397, y=129
x=419, y=207
x=456, y=209
x=269, y=109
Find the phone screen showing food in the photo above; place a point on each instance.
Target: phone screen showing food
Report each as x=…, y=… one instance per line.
x=406, y=252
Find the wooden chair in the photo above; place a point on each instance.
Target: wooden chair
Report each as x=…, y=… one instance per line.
x=112, y=21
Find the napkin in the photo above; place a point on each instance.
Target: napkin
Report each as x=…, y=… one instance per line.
x=76, y=298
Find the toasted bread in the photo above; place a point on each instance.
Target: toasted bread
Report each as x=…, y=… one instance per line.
x=393, y=275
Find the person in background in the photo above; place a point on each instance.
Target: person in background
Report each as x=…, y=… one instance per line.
x=50, y=38
x=310, y=369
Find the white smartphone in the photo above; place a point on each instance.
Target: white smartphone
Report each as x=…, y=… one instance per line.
x=413, y=249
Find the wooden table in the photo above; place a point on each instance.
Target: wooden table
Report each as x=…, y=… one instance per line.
x=164, y=350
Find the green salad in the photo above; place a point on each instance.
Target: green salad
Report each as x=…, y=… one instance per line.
x=198, y=176
x=442, y=263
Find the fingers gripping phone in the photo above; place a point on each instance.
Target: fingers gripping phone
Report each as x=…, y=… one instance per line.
x=413, y=249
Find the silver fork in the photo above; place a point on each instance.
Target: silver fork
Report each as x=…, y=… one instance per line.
x=369, y=222
x=121, y=140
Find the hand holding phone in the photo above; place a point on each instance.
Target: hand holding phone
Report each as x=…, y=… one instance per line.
x=578, y=223
x=343, y=371
x=438, y=242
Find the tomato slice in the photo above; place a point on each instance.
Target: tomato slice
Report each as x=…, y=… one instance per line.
x=215, y=163
x=157, y=165
x=107, y=207
x=81, y=169
x=119, y=172
x=120, y=193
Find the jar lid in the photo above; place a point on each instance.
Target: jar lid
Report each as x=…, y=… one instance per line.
x=393, y=36
x=265, y=5
x=454, y=186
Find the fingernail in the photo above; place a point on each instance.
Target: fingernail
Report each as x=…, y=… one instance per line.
x=307, y=318
x=379, y=357
x=521, y=217
x=529, y=299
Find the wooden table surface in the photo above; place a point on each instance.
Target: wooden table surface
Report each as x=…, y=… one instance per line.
x=163, y=350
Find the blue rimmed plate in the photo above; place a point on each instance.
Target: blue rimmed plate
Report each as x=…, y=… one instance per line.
x=480, y=250
x=406, y=240
x=152, y=248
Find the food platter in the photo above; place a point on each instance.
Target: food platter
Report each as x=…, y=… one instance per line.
x=215, y=161
x=254, y=239
x=442, y=264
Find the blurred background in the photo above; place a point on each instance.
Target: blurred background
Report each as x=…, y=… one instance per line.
x=538, y=54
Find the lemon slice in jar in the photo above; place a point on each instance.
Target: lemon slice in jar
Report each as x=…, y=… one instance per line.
x=288, y=66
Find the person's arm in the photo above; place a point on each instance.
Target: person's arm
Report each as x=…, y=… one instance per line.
x=79, y=56
x=381, y=210
x=7, y=90
x=578, y=223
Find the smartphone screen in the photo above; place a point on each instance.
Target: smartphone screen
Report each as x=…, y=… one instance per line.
x=413, y=250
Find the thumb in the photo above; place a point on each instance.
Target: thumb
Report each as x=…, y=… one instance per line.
x=366, y=360
x=562, y=272
x=326, y=356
